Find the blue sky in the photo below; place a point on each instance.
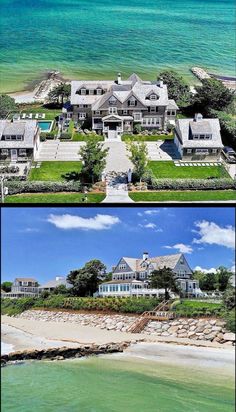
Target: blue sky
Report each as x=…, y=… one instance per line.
x=46, y=242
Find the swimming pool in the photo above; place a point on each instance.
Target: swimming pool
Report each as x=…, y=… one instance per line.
x=45, y=126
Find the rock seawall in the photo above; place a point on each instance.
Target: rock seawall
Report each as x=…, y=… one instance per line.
x=208, y=329
x=63, y=352
x=212, y=330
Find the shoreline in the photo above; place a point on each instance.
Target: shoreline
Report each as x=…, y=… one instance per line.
x=29, y=95
x=37, y=334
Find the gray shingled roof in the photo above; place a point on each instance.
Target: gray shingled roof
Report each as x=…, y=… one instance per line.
x=133, y=86
x=183, y=131
x=159, y=262
x=28, y=128
x=200, y=127
x=26, y=279
x=172, y=105
x=54, y=283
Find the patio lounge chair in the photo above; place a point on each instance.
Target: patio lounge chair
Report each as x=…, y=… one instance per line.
x=36, y=116
x=43, y=115
x=23, y=116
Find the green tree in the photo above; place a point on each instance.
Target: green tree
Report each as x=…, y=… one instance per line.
x=164, y=279
x=108, y=277
x=212, y=94
x=229, y=298
x=6, y=286
x=7, y=105
x=85, y=281
x=61, y=290
x=44, y=294
x=178, y=89
x=93, y=158
x=207, y=281
x=59, y=93
x=139, y=157
x=223, y=277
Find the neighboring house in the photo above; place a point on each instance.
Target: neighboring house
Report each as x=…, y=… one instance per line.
x=114, y=107
x=19, y=140
x=130, y=276
x=23, y=287
x=52, y=284
x=198, y=138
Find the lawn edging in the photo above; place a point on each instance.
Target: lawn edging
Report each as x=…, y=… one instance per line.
x=182, y=196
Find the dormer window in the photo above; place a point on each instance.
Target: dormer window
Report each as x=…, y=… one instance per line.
x=99, y=91
x=83, y=91
x=91, y=91
x=132, y=102
x=112, y=100
x=153, y=96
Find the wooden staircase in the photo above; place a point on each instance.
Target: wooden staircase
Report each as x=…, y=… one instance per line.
x=160, y=313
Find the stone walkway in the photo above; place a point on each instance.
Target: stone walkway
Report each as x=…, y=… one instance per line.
x=116, y=188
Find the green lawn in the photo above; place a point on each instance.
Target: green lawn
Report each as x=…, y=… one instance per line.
x=197, y=195
x=55, y=198
x=196, y=308
x=136, y=137
x=50, y=114
x=168, y=170
x=52, y=171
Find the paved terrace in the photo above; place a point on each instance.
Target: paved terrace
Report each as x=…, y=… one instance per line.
x=117, y=159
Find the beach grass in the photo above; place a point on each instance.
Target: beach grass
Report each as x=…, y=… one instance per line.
x=53, y=171
x=182, y=196
x=168, y=170
x=140, y=137
x=55, y=198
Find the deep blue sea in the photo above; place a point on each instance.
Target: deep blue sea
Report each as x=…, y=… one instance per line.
x=98, y=38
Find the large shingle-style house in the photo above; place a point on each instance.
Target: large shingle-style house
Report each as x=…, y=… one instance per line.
x=130, y=276
x=114, y=107
x=198, y=138
x=19, y=140
x=23, y=287
x=52, y=284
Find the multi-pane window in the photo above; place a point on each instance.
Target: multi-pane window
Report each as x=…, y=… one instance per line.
x=112, y=110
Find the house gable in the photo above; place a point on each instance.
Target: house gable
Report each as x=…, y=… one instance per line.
x=182, y=266
x=126, y=269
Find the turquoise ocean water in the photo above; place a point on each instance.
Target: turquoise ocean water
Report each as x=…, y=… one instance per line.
x=114, y=385
x=98, y=38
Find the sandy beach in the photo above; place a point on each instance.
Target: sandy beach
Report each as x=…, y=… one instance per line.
x=31, y=334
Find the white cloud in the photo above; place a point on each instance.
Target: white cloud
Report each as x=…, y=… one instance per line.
x=233, y=268
x=148, y=225
x=152, y=212
x=29, y=230
x=211, y=233
x=181, y=248
x=98, y=222
x=203, y=270
x=139, y=214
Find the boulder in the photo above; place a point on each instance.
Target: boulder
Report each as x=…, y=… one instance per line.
x=229, y=336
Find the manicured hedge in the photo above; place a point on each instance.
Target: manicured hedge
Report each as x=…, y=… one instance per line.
x=15, y=187
x=191, y=184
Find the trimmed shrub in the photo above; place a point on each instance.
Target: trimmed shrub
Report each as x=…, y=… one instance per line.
x=229, y=298
x=191, y=184
x=15, y=187
x=230, y=321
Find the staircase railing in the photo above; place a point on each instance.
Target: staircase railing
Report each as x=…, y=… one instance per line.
x=161, y=312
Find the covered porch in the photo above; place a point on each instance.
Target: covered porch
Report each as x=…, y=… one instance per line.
x=115, y=125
